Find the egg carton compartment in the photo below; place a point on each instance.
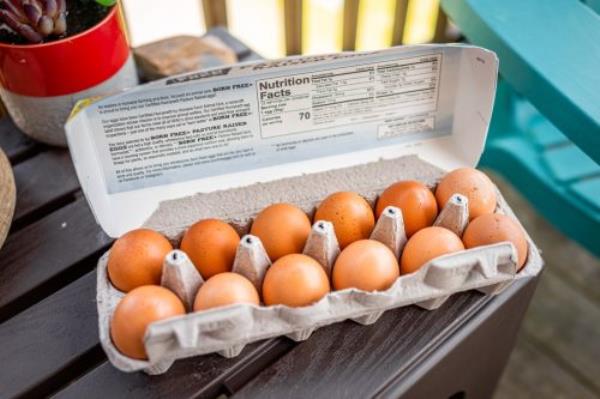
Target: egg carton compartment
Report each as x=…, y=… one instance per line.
x=489, y=269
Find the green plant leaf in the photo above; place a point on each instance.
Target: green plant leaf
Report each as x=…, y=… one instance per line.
x=107, y=3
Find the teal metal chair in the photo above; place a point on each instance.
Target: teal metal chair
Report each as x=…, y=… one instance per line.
x=545, y=131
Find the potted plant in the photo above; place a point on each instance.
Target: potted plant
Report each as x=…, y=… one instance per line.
x=55, y=52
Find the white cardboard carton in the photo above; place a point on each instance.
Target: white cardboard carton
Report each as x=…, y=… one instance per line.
x=226, y=142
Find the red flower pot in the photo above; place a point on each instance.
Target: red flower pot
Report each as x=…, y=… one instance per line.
x=40, y=83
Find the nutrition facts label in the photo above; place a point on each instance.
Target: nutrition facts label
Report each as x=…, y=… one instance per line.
x=259, y=115
x=403, y=93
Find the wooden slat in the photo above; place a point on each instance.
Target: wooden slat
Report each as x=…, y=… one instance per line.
x=350, y=360
x=14, y=143
x=440, y=27
x=45, y=255
x=43, y=345
x=215, y=13
x=399, y=22
x=350, y=23
x=198, y=377
x=531, y=373
x=292, y=10
x=43, y=182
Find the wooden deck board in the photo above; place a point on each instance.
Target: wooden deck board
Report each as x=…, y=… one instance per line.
x=59, y=346
x=32, y=267
x=44, y=183
x=188, y=378
x=533, y=374
x=566, y=326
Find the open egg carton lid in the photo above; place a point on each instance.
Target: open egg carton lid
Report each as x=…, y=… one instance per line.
x=230, y=127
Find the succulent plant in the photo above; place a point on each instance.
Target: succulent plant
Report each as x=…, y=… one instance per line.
x=35, y=19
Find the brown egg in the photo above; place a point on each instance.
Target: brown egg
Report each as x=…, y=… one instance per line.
x=136, y=311
x=136, y=259
x=211, y=245
x=417, y=202
x=427, y=244
x=471, y=183
x=351, y=215
x=295, y=280
x=282, y=228
x=492, y=228
x=225, y=289
x=367, y=265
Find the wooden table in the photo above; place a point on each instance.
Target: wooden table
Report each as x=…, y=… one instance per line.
x=49, y=333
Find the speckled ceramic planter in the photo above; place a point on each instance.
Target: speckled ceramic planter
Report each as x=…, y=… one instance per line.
x=40, y=83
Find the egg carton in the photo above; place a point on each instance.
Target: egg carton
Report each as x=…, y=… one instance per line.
x=488, y=269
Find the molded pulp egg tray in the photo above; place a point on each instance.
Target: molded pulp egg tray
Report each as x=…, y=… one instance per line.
x=227, y=142
x=227, y=330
